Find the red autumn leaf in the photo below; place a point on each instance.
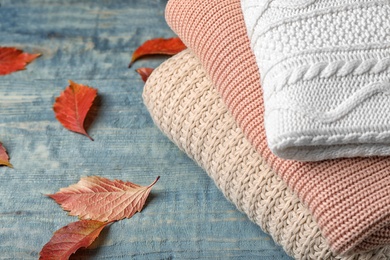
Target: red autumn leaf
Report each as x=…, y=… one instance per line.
x=12, y=59
x=144, y=73
x=67, y=240
x=103, y=199
x=162, y=46
x=4, y=159
x=72, y=106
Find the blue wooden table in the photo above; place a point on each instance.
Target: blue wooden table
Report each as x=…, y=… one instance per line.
x=90, y=42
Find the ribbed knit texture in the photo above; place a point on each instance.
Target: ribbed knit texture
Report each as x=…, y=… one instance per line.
x=349, y=198
x=325, y=73
x=188, y=109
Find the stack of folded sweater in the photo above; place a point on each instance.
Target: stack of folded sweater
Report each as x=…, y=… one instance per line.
x=285, y=104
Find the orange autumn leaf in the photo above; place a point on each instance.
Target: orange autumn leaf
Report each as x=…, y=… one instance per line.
x=4, y=158
x=144, y=73
x=72, y=106
x=102, y=199
x=12, y=59
x=67, y=240
x=160, y=46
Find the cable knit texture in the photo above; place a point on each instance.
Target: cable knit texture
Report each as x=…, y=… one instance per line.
x=325, y=73
x=187, y=108
x=349, y=198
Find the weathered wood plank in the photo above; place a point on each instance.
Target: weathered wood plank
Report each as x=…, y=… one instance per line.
x=91, y=42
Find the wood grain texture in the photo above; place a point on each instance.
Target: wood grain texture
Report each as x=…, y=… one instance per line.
x=91, y=42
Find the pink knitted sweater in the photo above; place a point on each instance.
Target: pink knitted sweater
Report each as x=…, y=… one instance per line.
x=349, y=198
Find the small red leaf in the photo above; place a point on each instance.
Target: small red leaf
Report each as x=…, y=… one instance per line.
x=72, y=106
x=67, y=240
x=103, y=199
x=162, y=46
x=4, y=159
x=144, y=73
x=12, y=59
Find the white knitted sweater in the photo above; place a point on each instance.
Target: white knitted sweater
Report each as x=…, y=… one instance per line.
x=325, y=73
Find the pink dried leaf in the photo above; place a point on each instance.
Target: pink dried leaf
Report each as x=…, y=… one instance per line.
x=12, y=59
x=67, y=240
x=4, y=158
x=144, y=73
x=72, y=106
x=102, y=199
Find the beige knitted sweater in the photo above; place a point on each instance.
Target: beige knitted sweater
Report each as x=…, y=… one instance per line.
x=186, y=107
